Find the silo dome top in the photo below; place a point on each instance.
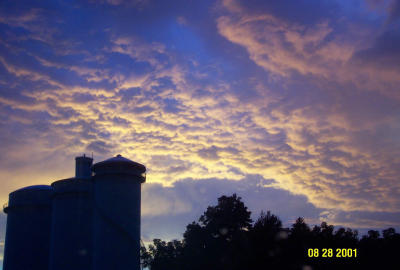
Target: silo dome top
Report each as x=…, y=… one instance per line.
x=31, y=195
x=35, y=187
x=119, y=164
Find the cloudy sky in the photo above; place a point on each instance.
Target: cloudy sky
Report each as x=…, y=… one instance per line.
x=293, y=105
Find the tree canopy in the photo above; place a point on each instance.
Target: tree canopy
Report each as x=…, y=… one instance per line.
x=225, y=237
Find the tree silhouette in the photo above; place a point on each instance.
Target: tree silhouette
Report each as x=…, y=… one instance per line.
x=219, y=240
x=227, y=218
x=224, y=238
x=266, y=236
x=163, y=254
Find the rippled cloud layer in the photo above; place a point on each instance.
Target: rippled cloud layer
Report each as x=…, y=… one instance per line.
x=304, y=94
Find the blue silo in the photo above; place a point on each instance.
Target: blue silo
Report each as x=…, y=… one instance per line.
x=116, y=231
x=28, y=228
x=72, y=220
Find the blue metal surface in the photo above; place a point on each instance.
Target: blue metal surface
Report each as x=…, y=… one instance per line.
x=71, y=234
x=117, y=191
x=83, y=167
x=28, y=228
x=81, y=223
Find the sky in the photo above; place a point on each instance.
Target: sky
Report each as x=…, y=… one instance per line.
x=293, y=105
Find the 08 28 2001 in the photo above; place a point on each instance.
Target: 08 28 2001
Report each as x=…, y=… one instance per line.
x=329, y=253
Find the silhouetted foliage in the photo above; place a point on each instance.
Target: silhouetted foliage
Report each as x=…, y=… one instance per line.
x=266, y=238
x=225, y=238
x=162, y=254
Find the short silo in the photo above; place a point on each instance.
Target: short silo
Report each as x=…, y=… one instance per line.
x=28, y=228
x=117, y=187
x=83, y=167
x=72, y=220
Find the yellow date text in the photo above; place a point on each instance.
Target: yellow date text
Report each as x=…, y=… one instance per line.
x=332, y=253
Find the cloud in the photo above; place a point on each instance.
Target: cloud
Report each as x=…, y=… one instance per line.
x=323, y=47
x=100, y=147
x=186, y=200
x=210, y=153
x=362, y=220
x=384, y=53
x=137, y=3
x=279, y=45
x=305, y=96
x=394, y=10
x=167, y=210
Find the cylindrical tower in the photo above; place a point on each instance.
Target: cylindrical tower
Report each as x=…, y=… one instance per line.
x=72, y=221
x=83, y=167
x=28, y=228
x=117, y=187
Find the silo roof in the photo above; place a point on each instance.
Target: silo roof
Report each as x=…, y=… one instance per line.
x=31, y=195
x=35, y=187
x=120, y=160
x=72, y=185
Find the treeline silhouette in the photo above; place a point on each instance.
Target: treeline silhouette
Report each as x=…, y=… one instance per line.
x=226, y=238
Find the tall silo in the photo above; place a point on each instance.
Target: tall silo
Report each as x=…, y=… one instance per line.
x=28, y=228
x=72, y=220
x=117, y=188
